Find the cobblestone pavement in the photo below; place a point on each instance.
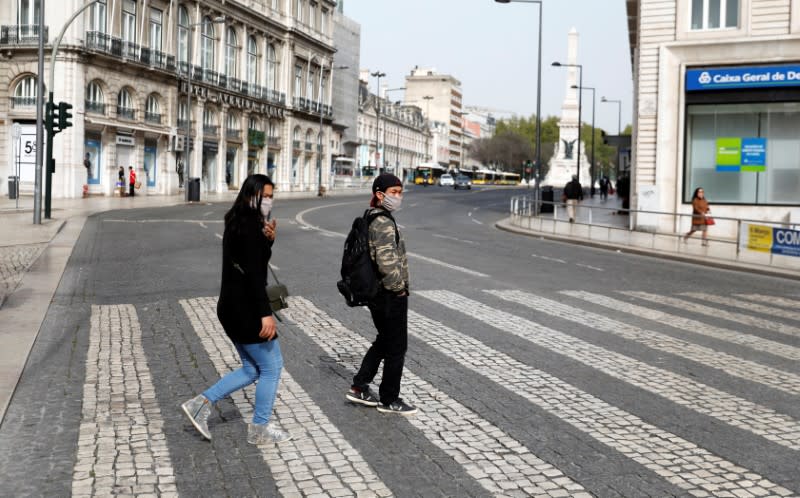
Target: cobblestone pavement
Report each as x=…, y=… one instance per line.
x=14, y=261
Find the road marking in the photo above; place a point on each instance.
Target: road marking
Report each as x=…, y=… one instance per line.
x=207, y=213
x=219, y=235
x=546, y=258
x=455, y=239
x=477, y=221
x=681, y=462
x=758, y=308
x=203, y=225
x=316, y=440
x=589, y=267
x=693, y=326
x=684, y=391
x=499, y=463
x=732, y=365
x=122, y=448
x=306, y=226
x=773, y=300
x=718, y=313
x=200, y=222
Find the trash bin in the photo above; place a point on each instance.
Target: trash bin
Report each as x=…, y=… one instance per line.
x=13, y=187
x=194, y=190
x=547, y=200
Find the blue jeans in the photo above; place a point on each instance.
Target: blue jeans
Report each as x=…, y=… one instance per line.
x=261, y=362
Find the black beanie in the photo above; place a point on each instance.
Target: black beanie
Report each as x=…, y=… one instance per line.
x=384, y=181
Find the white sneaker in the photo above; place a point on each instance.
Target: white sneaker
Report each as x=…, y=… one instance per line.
x=198, y=409
x=266, y=433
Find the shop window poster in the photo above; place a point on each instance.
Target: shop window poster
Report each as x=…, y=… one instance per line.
x=736, y=154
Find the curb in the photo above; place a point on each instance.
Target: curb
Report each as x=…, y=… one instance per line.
x=724, y=265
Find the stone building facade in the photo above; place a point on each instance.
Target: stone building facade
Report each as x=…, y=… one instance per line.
x=194, y=89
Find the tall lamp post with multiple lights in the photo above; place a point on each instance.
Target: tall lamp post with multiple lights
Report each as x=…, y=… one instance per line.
x=591, y=164
x=619, y=125
x=378, y=75
x=538, y=90
x=580, y=106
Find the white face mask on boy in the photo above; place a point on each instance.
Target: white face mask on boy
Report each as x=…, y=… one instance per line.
x=392, y=202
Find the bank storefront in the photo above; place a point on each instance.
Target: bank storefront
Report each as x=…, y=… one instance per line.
x=742, y=134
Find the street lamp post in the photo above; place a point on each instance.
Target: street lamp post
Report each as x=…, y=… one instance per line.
x=538, y=89
x=591, y=165
x=619, y=125
x=378, y=75
x=321, y=116
x=580, y=107
x=187, y=170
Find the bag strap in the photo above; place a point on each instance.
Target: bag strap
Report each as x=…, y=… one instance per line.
x=371, y=217
x=273, y=274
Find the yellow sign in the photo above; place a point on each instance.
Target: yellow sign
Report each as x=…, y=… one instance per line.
x=759, y=238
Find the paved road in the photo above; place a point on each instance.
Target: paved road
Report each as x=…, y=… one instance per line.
x=540, y=368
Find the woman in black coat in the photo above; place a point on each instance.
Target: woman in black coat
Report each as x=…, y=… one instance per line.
x=244, y=312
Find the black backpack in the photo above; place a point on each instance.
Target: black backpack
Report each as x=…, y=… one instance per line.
x=359, y=283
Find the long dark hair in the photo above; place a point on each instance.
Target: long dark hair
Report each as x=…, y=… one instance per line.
x=244, y=211
x=698, y=189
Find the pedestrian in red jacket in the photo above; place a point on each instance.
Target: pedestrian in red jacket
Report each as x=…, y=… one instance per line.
x=131, y=179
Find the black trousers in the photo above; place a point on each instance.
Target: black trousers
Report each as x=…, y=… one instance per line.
x=390, y=315
x=132, y=188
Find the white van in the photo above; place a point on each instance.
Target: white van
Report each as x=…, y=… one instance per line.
x=446, y=180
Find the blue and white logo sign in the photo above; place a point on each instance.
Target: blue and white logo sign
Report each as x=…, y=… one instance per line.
x=742, y=77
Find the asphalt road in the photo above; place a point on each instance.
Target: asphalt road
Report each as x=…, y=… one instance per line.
x=540, y=368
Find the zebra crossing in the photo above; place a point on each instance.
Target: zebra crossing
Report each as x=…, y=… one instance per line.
x=123, y=447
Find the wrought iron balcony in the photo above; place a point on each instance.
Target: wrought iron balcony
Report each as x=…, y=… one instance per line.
x=183, y=124
x=22, y=34
x=235, y=134
x=152, y=117
x=17, y=102
x=309, y=146
x=95, y=107
x=274, y=141
x=296, y=144
x=126, y=113
x=211, y=130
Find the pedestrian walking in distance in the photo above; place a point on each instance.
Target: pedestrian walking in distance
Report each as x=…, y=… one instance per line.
x=700, y=216
x=244, y=312
x=573, y=192
x=389, y=307
x=131, y=180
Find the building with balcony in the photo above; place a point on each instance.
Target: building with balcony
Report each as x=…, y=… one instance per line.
x=439, y=96
x=234, y=80
x=717, y=106
x=397, y=132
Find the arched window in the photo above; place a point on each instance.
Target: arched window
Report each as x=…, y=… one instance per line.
x=25, y=92
x=153, y=110
x=253, y=124
x=125, y=108
x=183, y=114
x=252, y=60
x=183, y=34
x=207, y=44
x=209, y=122
x=296, y=138
x=231, y=52
x=95, y=102
x=233, y=122
x=272, y=68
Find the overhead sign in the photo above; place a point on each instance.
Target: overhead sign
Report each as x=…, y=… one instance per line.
x=742, y=77
x=763, y=238
x=741, y=154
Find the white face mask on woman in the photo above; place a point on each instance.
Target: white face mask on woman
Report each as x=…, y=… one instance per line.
x=266, y=206
x=392, y=202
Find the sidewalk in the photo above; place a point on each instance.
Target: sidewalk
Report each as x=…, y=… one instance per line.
x=610, y=230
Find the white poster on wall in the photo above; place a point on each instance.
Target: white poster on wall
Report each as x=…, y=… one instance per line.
x=26, y=153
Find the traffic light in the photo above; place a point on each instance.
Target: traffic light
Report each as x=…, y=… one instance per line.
x=64, y=116
x=50, y=118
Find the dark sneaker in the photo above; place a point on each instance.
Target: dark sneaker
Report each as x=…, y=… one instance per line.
x=398, y=406
x=365, y=398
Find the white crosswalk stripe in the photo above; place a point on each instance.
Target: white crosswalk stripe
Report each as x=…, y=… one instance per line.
x=727, y=301
x=761, y=323
x=677, y=460
x=679, y=389
x=749, y=370
x=693, y=326
x=318, y=461
x=122, y=449
x=499, y=463
x=773, y=300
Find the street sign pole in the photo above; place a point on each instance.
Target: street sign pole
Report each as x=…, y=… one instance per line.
x=37, y=191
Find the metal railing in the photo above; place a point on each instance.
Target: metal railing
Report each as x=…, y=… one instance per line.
x=210, y=130
x=152, y=117
x=658, y=230
x=22, y=34
x=126, y=112
x=95, y=107
x=234, y=134
x=17, y=102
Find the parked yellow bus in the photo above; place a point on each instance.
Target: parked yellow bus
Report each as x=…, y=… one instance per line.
x=427, y=173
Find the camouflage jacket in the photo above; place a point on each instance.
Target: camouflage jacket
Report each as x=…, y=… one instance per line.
x=388, y=255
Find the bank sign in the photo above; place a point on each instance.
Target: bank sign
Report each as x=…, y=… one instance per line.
x=742, y=77
x=763, y=238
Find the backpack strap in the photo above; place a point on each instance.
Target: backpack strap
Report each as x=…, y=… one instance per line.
x=371, y=217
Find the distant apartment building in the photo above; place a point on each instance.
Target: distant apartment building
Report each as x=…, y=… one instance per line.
x=347, y=59
x=258, y=72
x=439, y=96
x=398, y=133
x=717, y=106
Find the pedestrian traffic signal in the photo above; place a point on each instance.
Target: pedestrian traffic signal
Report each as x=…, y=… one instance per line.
x=64, y=116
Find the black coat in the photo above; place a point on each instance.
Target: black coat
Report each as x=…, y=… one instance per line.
x=243, y=294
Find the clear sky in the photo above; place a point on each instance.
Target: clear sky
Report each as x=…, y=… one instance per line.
x=491, y=48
